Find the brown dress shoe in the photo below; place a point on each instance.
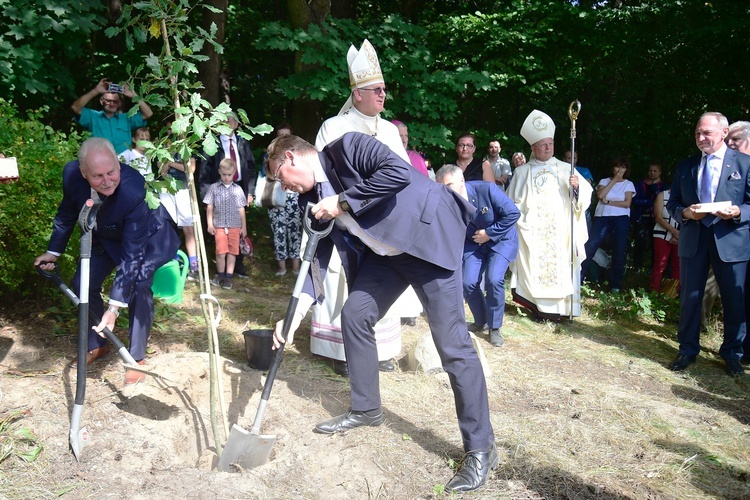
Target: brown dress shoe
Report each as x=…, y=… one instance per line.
x=92, y=355
x=135, y=377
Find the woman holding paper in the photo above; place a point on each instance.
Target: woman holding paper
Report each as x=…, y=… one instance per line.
x=612, y=217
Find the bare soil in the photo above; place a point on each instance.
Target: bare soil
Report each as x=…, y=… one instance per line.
x=580, y=411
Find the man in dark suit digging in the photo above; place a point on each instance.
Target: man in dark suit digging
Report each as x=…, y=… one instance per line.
x=393, y=228
x=129, y=237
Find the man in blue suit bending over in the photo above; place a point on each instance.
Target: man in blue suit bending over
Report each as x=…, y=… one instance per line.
x=129, y=236
x=491, y=244
x=392, y=228
x=712, y=235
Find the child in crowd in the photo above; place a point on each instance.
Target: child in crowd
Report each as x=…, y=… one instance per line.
x=225, y=214
x=136, y=157
x=178, y=206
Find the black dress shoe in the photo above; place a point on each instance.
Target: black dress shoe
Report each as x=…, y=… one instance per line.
x=386, y=366
x=734, y=367
x=348, y=421
x=409, y=321
x=474, y=328
x=681, y=362
x=474, y=470
x=341, y=368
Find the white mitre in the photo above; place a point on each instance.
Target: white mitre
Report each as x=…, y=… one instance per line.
x=364, y=69
x=538, y=126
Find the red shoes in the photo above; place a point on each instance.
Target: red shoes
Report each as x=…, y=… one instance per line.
x=92, y=355
x=135, y=377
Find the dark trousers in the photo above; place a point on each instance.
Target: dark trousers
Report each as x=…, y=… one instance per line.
x=379, y=282
x=141, y=304
x=490, y=309
x=730, y=276
x=618, y=227
x=643, y=249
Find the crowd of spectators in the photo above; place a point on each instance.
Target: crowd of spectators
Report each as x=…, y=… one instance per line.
x=531, y=218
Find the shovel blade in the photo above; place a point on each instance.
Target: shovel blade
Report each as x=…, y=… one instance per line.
x=78, y=439
x=246, y=449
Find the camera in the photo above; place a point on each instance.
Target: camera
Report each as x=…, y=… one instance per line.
x=113, y=87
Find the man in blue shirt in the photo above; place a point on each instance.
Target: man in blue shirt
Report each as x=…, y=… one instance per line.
x=110, y=123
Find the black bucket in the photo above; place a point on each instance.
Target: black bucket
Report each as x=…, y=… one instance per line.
x=258, y=345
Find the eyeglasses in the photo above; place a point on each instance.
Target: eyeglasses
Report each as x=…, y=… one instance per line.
x=110, y=101
x=465, y=146
x=275, y=176
x=378, y=91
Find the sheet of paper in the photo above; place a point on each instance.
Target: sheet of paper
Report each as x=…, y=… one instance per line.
x=8, y=168
x=709, y=208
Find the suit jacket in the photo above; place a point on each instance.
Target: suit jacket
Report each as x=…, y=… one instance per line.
x=133, y=235
x=392, y=203
x=732, y=237
x=209, y=168
x=497, y=215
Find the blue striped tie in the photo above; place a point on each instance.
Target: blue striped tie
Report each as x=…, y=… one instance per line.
x=706, y=181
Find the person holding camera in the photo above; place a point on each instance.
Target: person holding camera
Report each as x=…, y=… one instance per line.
x=110, y=123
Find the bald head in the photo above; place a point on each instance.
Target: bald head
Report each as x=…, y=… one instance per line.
x=99, y=165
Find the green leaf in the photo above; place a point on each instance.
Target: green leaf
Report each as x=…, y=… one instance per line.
x=210, y=146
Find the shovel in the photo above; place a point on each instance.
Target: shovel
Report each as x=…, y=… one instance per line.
x=128, y=361
x=251, y=449
x=87, y=222
x=121, y=349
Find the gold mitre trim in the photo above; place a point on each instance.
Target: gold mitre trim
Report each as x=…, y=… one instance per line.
x=364, y=66
x=537, y=126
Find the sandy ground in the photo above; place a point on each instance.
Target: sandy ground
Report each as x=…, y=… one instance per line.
x=576, y=415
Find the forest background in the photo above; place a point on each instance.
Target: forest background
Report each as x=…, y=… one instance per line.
x=643, y=71
x=582, y=410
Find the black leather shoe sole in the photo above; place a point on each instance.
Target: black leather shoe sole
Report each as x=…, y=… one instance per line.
x=348, y=421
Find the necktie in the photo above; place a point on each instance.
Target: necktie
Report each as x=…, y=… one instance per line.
x=705, y=194
x=315, y=270
x=320, y=191
x=233, y=156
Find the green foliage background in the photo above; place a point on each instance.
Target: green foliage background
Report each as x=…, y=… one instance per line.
x=643, y=69
x=28, y=206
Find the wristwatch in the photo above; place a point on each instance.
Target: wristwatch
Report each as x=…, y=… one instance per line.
x=343, y=203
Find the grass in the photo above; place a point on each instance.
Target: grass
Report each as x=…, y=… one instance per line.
x=581, y=410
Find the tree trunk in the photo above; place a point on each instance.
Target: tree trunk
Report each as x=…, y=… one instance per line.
x=306, y=114
x=211, y=74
